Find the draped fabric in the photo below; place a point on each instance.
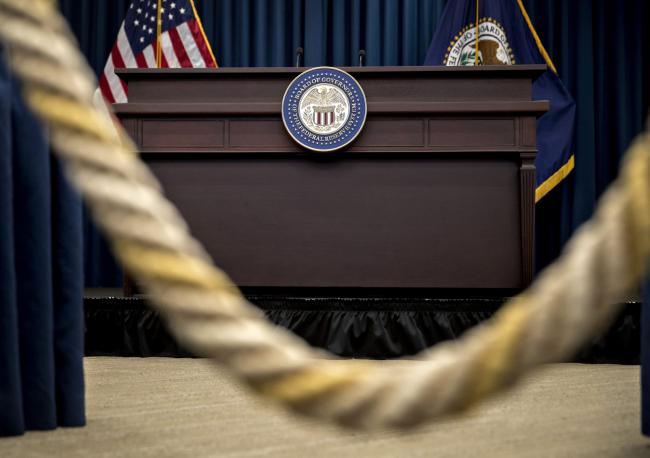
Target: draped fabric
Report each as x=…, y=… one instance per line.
x=460, y=26
x=41, y=278
x=598, y=47
x=378, y=328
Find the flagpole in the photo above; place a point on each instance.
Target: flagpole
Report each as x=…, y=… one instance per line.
x=158, y=35
x=477, y=33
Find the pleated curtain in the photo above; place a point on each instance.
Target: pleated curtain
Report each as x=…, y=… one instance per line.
x=41, y=278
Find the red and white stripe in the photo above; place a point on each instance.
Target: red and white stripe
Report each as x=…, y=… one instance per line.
x=324, y=118
x=183, y=46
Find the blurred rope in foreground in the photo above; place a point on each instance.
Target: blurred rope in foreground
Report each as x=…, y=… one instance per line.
x=569, y=303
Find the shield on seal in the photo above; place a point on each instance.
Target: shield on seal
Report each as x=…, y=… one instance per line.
x=323, y=116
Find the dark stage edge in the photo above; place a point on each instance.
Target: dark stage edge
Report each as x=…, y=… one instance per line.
x=363, y=327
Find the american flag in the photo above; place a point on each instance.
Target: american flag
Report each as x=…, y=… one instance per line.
x=183, y=42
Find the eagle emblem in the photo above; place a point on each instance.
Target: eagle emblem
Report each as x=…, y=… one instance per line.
x=324, y=108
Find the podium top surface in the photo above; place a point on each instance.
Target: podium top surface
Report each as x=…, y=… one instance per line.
x=481, y=71
x=259, y=90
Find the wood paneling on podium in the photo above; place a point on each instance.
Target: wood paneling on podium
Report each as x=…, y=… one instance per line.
x=436, y=192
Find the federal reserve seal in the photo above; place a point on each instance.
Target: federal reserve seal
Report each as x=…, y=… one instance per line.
x=493, y=47
x=324, y=109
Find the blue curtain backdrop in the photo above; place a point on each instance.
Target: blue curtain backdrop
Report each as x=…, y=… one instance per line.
x=598, y=47
x=41, y=278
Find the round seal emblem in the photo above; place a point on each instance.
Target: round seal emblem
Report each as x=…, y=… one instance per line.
x=493, y=47
x=324, y=109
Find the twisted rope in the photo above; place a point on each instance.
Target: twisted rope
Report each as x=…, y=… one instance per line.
x=568, y=304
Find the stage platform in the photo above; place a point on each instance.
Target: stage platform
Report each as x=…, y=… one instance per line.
x=164, y=407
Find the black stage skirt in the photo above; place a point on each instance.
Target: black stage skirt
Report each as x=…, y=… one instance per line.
x=358, y=327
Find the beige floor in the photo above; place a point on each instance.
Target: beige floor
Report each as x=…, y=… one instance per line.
x=161, y=407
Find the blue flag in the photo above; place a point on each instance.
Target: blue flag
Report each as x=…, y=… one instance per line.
x=507, y=37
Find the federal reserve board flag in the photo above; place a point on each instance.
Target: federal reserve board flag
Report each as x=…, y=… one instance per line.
x=506, y=36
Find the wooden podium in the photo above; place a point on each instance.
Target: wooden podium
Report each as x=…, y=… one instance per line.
x=436, y=192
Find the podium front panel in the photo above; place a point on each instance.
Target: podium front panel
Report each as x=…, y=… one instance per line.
x=353, y=222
